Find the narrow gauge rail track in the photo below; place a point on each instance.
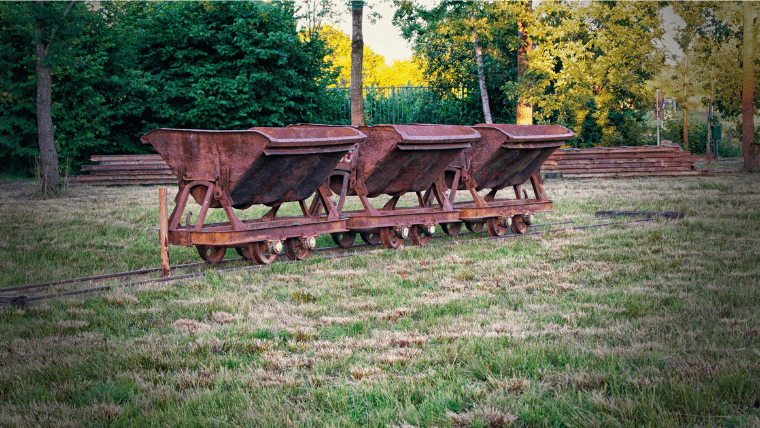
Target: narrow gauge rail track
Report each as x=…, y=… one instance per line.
x=35, y=291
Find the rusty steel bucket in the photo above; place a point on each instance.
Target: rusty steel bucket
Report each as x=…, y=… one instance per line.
x=396, y=160
x=256, y=166
x=265, y=166
x=506, y=155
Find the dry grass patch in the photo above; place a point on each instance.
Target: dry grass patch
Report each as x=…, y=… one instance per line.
x=121, y=298
x=398, y=356
x=72, y=324
x=266, y=379
x=196, y=301
x=392, y=314
x=192, y=327
x=186, y=379
x=482, y=417
x=363, y=373
x=340, y=273
x=514, y=385
x=274, y=314
x=222, y=317
x=281, y=360
x=338, y=320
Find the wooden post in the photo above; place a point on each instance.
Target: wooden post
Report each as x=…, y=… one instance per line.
x=163, y=232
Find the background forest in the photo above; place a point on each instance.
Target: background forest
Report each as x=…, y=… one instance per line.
x=119, y=69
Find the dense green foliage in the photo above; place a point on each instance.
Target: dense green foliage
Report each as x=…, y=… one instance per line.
x=588, y=70
x=226, y=66
x=590, y=67
x=443, y=43
x=125, y=68
x=91, y=80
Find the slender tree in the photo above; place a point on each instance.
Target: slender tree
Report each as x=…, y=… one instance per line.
x=750, y=150
x=481, y=72
x=525, y=47
x=357, y=56
x=48, y=162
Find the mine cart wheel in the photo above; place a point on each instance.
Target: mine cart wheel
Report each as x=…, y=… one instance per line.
x=296, y=249
x=389, y=238
x=244, y=253
x=417, y=235
x=518, y=225
x=372, y=238
x=211, y=253
x=495, y=228
x=451, y=229
x=262, y=254
x=475, y=227
x=344, y=239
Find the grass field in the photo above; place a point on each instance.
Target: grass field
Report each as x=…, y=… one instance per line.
x=646, y=324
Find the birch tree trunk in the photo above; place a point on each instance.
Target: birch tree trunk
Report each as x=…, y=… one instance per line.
x=481, y=73
x=357, y=56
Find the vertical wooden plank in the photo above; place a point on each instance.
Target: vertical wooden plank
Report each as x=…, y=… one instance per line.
x=163, y=232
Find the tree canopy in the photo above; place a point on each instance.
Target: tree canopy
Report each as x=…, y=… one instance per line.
x=590, y=66
x=120, y=69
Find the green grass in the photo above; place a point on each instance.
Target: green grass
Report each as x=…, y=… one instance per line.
x=647, y=324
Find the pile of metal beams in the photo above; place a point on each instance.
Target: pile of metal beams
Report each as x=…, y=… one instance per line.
x=119, y=170
x=614, y=162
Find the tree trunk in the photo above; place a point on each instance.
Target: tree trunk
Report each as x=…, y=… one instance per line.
x=524, y=111
x=357, y=56
x=708, y=136
x=685, y=131
x=481, y=73
x=750, y=150
x=48, y=163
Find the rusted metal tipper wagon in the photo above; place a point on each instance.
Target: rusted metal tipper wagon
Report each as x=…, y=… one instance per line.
x=506, y=155
x=396, y=160
x=238, y=169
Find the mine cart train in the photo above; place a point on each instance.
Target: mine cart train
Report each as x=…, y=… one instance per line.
x=271, y=166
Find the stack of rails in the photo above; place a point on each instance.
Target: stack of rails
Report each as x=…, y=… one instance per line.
x=619, y=162
x=120, y=170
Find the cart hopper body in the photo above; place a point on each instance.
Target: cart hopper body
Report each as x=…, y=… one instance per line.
x=260, y=165
x=507, y=154
x=397, y=159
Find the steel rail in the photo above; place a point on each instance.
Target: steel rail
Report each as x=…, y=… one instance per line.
x=22, y=300
x=182, y=266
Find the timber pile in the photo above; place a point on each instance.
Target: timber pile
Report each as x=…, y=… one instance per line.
x=613, y=162
x=119, y=170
